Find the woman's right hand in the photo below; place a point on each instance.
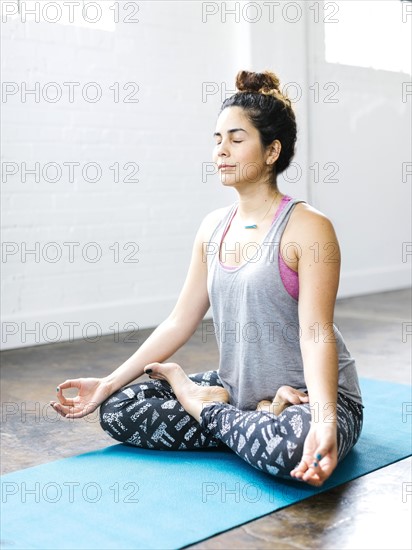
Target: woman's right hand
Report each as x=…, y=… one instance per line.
x=91, y=394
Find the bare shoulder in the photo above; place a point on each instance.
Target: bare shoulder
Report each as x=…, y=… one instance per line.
x=306, y=222
x=310, y=234
x=211, y=220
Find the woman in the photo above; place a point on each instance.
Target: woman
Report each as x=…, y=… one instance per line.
x=286, y=397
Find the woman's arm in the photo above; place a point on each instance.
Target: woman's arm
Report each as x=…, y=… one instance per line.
x=167, y=338
x=318, y=269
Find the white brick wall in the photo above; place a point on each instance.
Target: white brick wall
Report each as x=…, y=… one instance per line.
x=168, y=134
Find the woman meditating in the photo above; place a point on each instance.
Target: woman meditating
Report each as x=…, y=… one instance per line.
x=286, y=396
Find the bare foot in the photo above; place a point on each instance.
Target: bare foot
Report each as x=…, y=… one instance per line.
x=193, y=397
x=285, y=397
x=273, y=407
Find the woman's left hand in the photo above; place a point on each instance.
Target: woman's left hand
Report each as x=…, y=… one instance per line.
x=320, y=455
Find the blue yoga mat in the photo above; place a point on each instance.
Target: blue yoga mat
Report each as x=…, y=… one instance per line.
x=123, y=497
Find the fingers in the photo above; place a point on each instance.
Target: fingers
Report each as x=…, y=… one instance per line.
x=293, y=399
x=303, y=466
x=292, y=395
x=61, y=409
x=300, y=396
x=314, y=471
x=319, y=457
x=287, y=393
x=66, y=385
x=309, y=473
x=68, y=411
x=70, y=384
x=315, y=475
x=300, y=469
x=84, y=412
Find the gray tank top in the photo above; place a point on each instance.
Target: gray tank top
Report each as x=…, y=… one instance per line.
x=256, y=322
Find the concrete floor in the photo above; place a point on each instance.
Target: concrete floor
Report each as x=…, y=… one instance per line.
x=367, y=513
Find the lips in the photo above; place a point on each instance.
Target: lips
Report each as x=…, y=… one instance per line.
x=223, y=166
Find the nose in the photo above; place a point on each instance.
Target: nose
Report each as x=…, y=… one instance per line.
x=222, y=149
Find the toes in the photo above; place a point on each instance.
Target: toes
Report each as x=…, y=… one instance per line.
x=162, y=370
x=151, y=368
x=151, y=365
x=160, y=366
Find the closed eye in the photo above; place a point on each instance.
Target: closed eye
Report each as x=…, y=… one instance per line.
x=234, y=141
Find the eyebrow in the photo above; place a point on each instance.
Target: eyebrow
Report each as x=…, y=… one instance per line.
x=233, y=130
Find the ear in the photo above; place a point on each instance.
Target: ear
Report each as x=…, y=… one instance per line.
x=273, y=152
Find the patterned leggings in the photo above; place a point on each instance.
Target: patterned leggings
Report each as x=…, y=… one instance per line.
x=148, y=415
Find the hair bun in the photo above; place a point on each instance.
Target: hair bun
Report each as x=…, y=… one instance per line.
x=266, y=82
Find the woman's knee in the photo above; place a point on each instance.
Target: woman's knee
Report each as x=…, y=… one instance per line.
x=121, y=424
x=285, y=448
x=284, y=458
x=123, y=412
x=350, y=422
x=111, y=418
x=151, y=423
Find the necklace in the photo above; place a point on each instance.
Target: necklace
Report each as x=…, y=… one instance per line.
x=254, y=225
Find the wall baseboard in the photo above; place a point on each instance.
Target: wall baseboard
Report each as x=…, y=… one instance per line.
x=369, y=281
x=123, y=321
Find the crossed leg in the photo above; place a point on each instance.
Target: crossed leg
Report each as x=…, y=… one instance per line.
x=148, y=415
x=270, y=442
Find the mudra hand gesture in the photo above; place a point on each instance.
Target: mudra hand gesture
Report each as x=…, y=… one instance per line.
x=91, y=393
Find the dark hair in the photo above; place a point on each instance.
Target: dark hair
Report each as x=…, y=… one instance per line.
x=269, y=110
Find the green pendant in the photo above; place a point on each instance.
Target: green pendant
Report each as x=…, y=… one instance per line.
x=254, y=226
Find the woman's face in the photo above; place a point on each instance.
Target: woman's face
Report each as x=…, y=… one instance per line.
x=238, y=152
